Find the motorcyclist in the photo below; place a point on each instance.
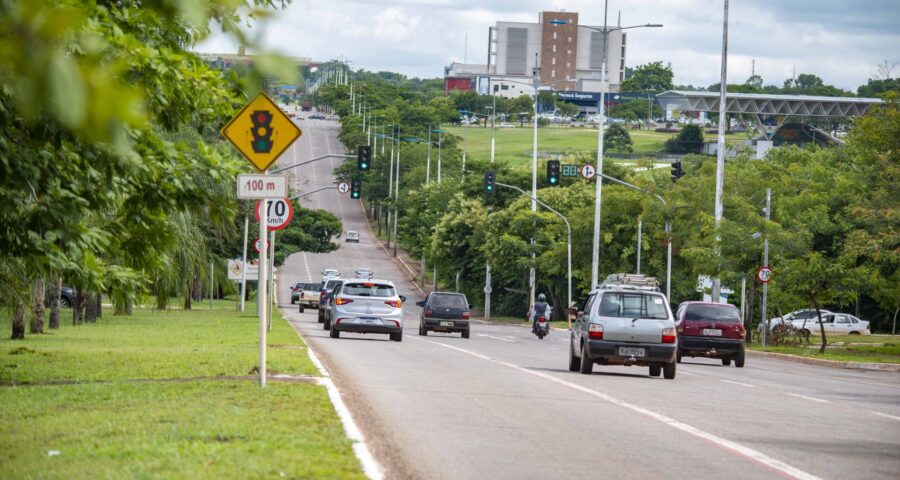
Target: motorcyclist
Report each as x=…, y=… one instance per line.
x=540, y=309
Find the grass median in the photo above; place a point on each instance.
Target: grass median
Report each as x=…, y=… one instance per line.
x=844, y=348
x=166, y=395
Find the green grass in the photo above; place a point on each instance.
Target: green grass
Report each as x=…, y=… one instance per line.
x=868, y=348
x=142, y=411
x=514, y=144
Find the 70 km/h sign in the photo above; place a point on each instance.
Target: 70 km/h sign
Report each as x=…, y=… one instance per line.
x=279, y=213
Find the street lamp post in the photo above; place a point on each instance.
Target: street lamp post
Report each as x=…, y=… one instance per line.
x=720, y=149
x=595, y=252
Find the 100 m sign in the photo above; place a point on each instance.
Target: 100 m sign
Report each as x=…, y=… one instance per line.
x=258, y=186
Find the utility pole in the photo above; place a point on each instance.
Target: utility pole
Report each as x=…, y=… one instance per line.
x=764, y=316
x=720, y=149
x=428, y=157
x=640, y=224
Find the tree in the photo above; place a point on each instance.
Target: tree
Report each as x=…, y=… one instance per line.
x=688, y=140
x=635, y=109
x=566, y=109
x=311, y=231
x=878, y=87
x=649, y=77
x=616, y=138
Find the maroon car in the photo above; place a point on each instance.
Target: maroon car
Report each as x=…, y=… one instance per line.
x=711, y=330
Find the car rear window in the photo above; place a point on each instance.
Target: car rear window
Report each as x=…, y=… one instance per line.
x=368, y=290
x=632, y=305
x=332, y=283
x=313, y=286
x=712, y=313
x=451, y=301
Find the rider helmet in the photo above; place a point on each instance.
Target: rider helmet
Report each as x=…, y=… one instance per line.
x=541, y=297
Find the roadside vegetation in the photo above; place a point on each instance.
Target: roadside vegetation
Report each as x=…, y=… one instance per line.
x=844, y=348
x=167, y=395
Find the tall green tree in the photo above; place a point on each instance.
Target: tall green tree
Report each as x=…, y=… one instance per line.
x=653, y=76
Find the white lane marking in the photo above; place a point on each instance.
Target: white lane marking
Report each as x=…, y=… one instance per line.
x=682, y=372
x=738, y=383
x=805, y=397
x=371, y=468
x=306, y=264
x=885, y=415
x=735, y=447
x=495, y=338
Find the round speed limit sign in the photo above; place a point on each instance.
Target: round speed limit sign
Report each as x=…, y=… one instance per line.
x=764, y=274
x=257, y=245
x=279, y=213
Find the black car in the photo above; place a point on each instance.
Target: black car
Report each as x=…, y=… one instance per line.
x=66, y=297
x=444, y=312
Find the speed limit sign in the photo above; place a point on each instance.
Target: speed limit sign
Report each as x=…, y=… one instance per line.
x=279, y=213
x=764, y=274
x=257, y=245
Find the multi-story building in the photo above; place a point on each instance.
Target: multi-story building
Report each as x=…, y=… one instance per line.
x=566, y=56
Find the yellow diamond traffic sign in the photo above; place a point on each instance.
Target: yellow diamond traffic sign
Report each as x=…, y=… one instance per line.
x=261, y=131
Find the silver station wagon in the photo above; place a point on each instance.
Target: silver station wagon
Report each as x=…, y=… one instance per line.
x=367, y=306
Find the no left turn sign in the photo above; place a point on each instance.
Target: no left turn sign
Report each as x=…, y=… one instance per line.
x=764, y=274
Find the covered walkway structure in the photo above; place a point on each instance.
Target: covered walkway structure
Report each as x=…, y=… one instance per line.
x=759, y=105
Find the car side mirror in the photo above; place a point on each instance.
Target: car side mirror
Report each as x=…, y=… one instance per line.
x=421, y=303
x=402, y=299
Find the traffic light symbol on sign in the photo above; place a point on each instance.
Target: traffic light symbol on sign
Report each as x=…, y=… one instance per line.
x=489, y=181
x=355, y=187
x=677, y=171
x=553, y=172
x=262, y=131
x=364, y=158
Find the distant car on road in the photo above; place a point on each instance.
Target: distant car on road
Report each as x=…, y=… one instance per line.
x=711, y=330
x=352, y=236
x=307, y=294
x=507, y=125
x=368, y=306
x=316, y=116
x=330, y=273
x=626, y=321
x=325, y=296
x=444, y=312
x=796, y=315
x=364, y=272
x=834, y=323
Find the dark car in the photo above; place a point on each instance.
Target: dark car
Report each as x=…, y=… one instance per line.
x=295, y=292
x=711, y=330
x=66, y=297
x=326, y=301
x=444, y=312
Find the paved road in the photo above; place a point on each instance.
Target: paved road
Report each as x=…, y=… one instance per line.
x=502, y=404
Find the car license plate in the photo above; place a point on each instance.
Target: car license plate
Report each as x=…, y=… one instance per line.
x=632, y=351
x=712, y=332
x=367, y=321
x=446, y=324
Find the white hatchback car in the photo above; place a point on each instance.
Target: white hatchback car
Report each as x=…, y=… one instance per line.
x=368, y=306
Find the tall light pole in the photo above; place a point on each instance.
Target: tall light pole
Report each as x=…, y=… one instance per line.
x=595, y=252
x=720, y=148
x=440, y=139
x=428, y=158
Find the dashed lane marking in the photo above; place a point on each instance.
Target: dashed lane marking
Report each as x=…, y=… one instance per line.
x=806, y=397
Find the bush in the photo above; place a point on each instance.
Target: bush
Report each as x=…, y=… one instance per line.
x=689, y=140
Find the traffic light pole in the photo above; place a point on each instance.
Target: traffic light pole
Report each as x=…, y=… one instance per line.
x=569, y=246
x=301, y=195
x=323, y=157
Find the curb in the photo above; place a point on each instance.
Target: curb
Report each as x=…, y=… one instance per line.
x=880, y=367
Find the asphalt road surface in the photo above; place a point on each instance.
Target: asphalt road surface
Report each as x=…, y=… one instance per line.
x=503, y=404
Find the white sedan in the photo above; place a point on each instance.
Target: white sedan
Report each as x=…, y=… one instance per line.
x=834, y=323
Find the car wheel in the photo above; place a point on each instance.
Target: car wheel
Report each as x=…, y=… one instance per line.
x=326, y=325
x=422, y=331
x=739, y=359
x=678, y=357
x=669, y=371
x=573, y=360
x=334, y=333
x=586, y=365
x=854, y=333
x=726, y=361
x=465, y=333
x=301, y=308
x=293, y=302
x=321, y=316
x=65, y=302
x=397, y=337
x=655, y=370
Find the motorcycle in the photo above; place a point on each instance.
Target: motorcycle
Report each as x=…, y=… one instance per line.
x=541, y=328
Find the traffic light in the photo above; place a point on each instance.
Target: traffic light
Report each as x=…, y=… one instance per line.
x=553, y=172
x=355, y=187
x=677, y=172
x=489, y=180
x=262, y=131
x=364, y=158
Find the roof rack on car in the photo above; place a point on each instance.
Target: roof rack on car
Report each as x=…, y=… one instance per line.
x=631, y=280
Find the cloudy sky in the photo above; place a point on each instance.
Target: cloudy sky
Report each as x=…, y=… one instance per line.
x=841, y=41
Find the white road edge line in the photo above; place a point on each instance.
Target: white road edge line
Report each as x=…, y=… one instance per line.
x=739, y=383
x=885, y=415
x=371, y=468
x=735, y=447
x=812, y=399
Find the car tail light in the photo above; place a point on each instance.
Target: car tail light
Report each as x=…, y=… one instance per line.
x=668, y=335
x=465, y=315
x=595, y=331
x=428, y=313
x=342, y=301
x=322, y=297
x=740, y=328
x=680, y=328
x=396, y=323
x=394, y=303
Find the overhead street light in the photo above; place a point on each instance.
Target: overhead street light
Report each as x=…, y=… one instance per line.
x=595, y=254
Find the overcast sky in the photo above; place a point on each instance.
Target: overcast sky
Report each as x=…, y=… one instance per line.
x=841, y=41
